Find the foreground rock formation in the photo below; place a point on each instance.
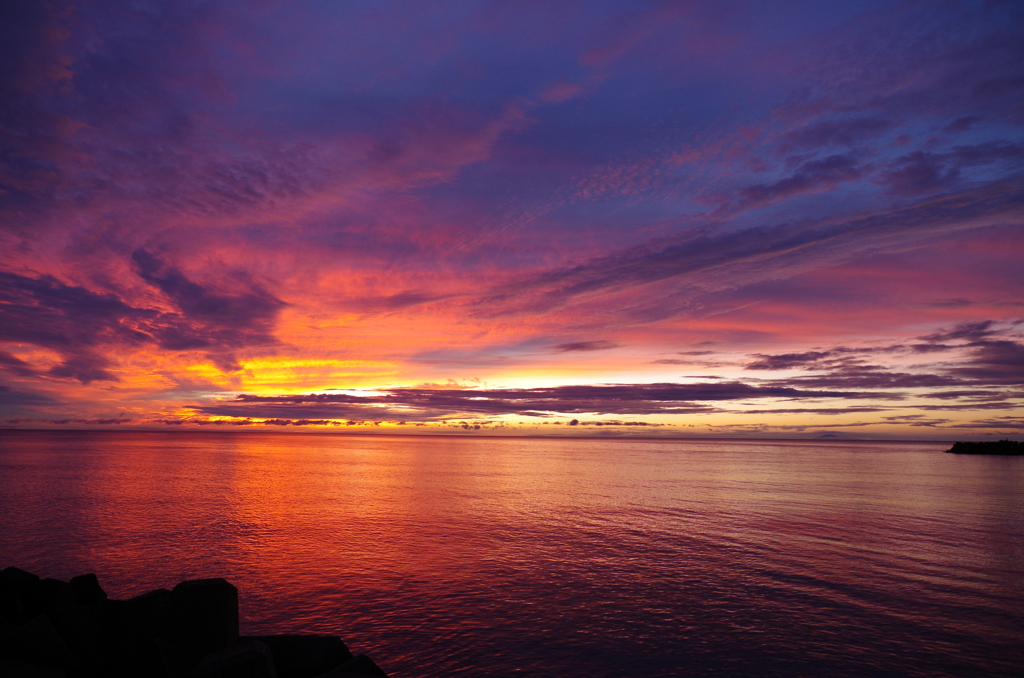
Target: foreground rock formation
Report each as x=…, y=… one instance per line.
x=988, y=447
x=56, y=629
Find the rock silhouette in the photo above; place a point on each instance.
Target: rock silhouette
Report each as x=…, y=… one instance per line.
x=55, y=629
x=1005, y=447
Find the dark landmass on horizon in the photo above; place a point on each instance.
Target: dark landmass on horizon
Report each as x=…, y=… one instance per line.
x=1001, y=447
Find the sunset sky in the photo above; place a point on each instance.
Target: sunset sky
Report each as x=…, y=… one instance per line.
x=621, y=217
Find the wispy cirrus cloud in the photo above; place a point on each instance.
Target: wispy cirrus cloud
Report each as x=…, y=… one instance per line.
x=752, y=255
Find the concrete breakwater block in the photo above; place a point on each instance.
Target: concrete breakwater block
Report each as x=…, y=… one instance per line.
x=251, y=659
x=55, y=629
x=201, y=617
x=305, y=656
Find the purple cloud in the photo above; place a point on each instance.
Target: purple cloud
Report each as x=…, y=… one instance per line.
x=994, y=362
x=215, y=320
x=763, y=252
x=71, y=320
x=81, y=325
x=917, y=173
x=845, y=132
x=424, y=404
x=576, y=346
x=815, y=175
x=787, y=361
x=11, y=397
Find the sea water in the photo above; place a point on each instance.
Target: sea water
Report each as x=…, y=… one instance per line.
x=480, y=556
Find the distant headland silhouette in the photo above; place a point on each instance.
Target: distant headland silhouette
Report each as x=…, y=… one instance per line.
x=1003, y=447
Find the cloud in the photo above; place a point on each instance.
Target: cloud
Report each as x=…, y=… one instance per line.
x=846, y=132
x=974, y=331
x=831, y=411
x=901, y=67
x=68, y=420
x=739, y=258
x=814, y=175
x=31, y=49
x=951, y=395
x=422, y=404
x=931, y=348
x=1002, y=423
x=81, y=324
x=84, y=367
x=172, y=111
x=871, y=377
x=993, y=362
x=575, y=346
x=986, y=153
x=917, y=420
x=961, y=124
x=247, y=311
x=695, y=361
x=248, y=422
x=953, y=302
x=982, y=354
x=788, y=361
x=215, y=319
x=15, y=365
x=972, y=405
x=10, y=397
x=844, y=357
x=921, y=172
x=71, y=320
x=918, y=173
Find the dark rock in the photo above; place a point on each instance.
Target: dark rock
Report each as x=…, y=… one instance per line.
x=176, y=660
x=246, y=660
x=144, y=615
x=87, y=590
x=18, y=580
x=21, y=595
x=1001, y=447
x=38, y=642
x=305, y=656
x=203, y=617
x=57, y=594
x=134, y=626
x=86, y=633
x=360, y=665
x=13, y=669
x=75, y=631
x=140, y=658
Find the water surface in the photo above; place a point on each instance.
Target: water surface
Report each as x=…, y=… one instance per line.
x=545, y=557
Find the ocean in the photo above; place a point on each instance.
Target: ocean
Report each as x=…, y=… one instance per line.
x=568, y=558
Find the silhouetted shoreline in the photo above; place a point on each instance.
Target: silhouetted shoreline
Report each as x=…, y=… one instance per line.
x=56, y=629
x=1001, y=447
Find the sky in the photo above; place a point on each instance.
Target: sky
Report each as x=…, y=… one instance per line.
x=597, y=218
